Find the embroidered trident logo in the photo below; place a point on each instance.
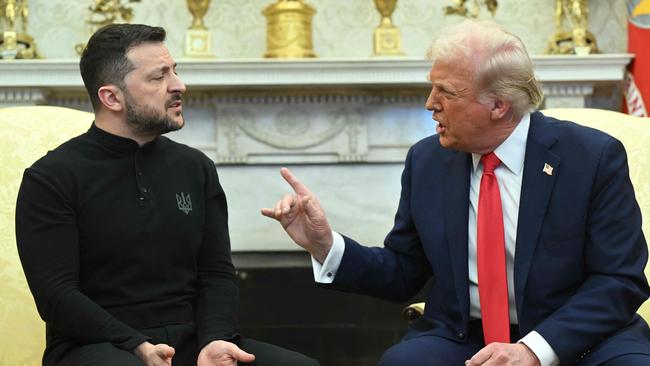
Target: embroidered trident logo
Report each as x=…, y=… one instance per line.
x=184, y=203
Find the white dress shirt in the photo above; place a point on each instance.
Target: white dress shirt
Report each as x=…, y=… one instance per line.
x=509, y=176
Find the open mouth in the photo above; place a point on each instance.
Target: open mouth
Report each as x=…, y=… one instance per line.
x=176, y=104
x=440, y=128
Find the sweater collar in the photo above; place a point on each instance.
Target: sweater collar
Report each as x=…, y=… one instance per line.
x=116, y=143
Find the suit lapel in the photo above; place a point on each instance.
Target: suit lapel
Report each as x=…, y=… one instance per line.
x=536, y=189
x=456, y=210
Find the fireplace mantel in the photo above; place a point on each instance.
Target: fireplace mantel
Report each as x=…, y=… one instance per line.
x=343, y=125
x=63, y=74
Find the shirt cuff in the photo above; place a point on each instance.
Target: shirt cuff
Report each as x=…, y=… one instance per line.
x=325, y=273
x=541, y=349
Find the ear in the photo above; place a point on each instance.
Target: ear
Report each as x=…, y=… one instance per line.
x=111, y=97
x=499, y=109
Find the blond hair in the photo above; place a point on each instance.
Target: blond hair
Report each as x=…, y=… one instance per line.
x=501, y=66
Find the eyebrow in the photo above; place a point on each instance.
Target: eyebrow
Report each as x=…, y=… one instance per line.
x=445, y=88
x=162, y=69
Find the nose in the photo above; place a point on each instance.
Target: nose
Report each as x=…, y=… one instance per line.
x=176, y=85
x=433, y=103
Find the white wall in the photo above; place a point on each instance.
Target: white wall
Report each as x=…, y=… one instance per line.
x=342, y=28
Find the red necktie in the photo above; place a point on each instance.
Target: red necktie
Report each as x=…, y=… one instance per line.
x=492, y=282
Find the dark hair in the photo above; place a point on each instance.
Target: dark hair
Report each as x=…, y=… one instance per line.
x=104, y=60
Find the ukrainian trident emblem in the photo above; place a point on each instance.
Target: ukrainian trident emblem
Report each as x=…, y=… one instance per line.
x=184, y=203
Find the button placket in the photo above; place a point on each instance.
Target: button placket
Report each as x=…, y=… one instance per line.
x=142, y=189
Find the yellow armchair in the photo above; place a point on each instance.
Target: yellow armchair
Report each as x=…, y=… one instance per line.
x=26, y=133
x=634, y=133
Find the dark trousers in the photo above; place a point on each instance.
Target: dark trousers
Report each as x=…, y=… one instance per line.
x=438, y=351
x=182, y=338
x=432, y=350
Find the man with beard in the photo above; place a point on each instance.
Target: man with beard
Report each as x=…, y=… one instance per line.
x=123, y=233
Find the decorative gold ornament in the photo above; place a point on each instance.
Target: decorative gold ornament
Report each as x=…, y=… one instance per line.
x=198, y=39
x=16, y=43
x=288, y=29
x=105, y=12
x=572, y=35
x=459, y=8
x=387, y=40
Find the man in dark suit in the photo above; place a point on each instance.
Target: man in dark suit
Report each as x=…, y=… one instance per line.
x=528, y=225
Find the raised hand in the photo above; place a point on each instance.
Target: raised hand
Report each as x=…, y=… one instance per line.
x=222, y=353
x=303, y=218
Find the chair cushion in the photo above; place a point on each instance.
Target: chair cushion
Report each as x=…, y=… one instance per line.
x=27, y=133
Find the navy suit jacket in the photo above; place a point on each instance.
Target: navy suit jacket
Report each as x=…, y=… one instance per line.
x=580, y=251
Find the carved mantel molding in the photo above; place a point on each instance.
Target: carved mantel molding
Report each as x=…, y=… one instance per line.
x=344, y=126
x=402, y=72
x=306, y=111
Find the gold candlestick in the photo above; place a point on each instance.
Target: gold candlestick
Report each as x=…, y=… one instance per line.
x=15, y=43
x=198, y=39
x=288, y=29
x=459, y=8
x=105, y=12
x=572, y=35
x=387, y=40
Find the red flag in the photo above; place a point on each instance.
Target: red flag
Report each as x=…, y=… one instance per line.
x=637, y=80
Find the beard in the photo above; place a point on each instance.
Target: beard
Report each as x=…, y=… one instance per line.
x=146, y=120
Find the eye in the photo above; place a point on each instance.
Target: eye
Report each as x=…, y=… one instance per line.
x=448, y=94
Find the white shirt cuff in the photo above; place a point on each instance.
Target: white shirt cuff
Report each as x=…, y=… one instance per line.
x=325, y=273
x=541, y=349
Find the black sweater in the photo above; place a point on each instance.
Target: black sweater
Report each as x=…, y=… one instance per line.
x=115, y=237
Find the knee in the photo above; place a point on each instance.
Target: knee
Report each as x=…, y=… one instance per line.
x=305, y=361
x=99, y=354
x=300, y=360
x=629, y=360
x=309, y=362
x=389, y=359
x=396, y=356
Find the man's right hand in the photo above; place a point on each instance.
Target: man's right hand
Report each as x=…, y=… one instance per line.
x=303, y=218
x=154, y=355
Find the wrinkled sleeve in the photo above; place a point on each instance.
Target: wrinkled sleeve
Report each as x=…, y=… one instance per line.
x=395, y=272
x=218, y=292
x=48, y=245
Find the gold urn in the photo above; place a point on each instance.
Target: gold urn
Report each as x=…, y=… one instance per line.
x=198, y=39
x=289, y=29
x=387, y=40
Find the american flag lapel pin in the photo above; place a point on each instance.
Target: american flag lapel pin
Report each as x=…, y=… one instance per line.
x=548, y=169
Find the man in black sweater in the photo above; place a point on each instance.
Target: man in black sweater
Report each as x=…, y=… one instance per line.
x=123, y=233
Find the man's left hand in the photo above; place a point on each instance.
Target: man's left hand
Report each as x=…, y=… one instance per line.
x=222, y=353
x=504, y=354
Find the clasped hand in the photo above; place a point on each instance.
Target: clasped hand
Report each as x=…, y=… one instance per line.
x=303, y=218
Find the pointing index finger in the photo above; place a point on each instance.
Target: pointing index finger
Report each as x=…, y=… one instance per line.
x=294, y=182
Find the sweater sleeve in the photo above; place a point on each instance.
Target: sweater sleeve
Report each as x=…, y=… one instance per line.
x=218, y=292
x=48, y=244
